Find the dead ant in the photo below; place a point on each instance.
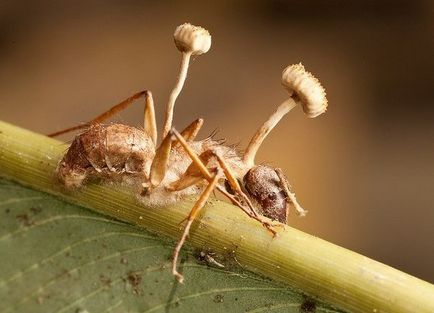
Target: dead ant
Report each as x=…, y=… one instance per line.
x=181, y=166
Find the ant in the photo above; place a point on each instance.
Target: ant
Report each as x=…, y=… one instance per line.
x=181, y=166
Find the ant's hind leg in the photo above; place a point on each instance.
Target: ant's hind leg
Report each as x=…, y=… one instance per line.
x=193, y=213
x=116, y=109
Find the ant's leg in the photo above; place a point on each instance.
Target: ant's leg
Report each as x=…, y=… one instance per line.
x=193, y=213
x=161, y=158
x=150, y=124
x=193, y=174
x=115, y=109
x=191, y=131
x=291, y=196
x=194, y=157
x=160, y=161
x=203, y=169
x=233, y=182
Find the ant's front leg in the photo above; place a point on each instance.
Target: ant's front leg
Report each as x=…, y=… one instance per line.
x=291, y=196
x=197, y=171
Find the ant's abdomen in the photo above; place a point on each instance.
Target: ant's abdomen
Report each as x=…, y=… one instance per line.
x=115, y=151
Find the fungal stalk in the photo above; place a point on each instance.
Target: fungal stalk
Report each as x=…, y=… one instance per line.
x=304, y=89
x=190, y=40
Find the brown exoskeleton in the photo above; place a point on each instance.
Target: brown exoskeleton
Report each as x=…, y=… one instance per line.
x=181, y=166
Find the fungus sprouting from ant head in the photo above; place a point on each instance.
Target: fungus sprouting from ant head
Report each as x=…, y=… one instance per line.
x=268, y=186
x=178, y=165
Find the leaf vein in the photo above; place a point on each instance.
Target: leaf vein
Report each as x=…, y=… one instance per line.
x=273, y=307
x=18, y=200
x=212, y=291
x=57, y=218
x=36, y=265
x=40, y=289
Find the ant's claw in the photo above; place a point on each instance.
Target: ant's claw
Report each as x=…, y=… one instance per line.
x=179, y=277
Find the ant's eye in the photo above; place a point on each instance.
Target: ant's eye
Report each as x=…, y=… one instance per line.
x=272, y=196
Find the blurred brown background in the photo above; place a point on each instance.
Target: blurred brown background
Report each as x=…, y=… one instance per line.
x=365, y=169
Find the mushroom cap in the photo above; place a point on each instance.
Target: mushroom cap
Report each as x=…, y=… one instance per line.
x=307, y=89
x=190, y=38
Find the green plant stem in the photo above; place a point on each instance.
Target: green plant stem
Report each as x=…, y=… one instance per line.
x=341, y=277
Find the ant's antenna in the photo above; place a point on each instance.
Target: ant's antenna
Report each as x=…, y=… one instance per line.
x=190, y=40
x=303, y=89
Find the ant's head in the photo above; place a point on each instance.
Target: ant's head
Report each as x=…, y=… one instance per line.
x=268, y=191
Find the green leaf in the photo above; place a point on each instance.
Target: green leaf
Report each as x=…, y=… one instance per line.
x=58, y=257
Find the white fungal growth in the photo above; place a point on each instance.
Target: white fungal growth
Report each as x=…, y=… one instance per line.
x=307, y=89
x=190, y=40
x=194, y=39
x=304, y=89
